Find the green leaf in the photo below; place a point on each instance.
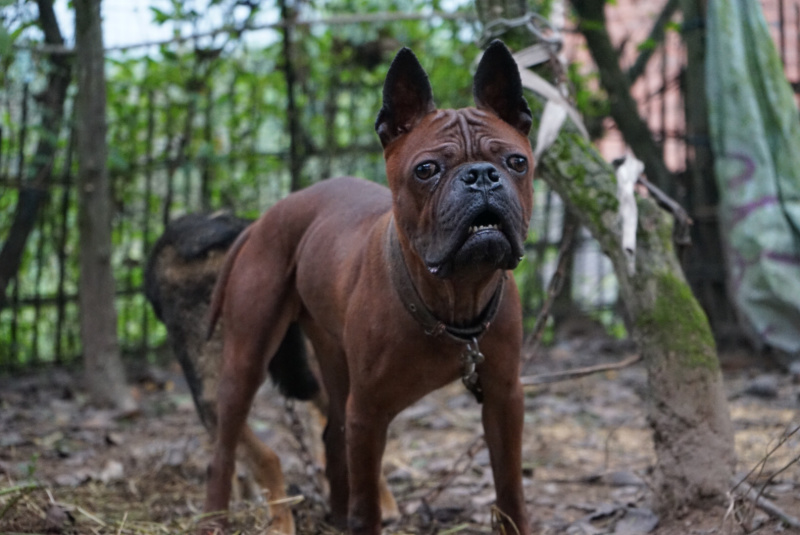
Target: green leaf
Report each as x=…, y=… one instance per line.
x=647, y=44
x=6, y=43
x=592, y=25
x=159, y=17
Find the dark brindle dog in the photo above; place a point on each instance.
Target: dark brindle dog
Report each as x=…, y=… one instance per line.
x=179, y=278
x=400, y=290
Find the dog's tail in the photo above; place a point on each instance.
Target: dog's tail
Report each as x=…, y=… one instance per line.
x=289, y=368
x=218, y=296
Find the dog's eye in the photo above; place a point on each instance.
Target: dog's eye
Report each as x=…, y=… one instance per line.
x=517, y=163
x=426, y=170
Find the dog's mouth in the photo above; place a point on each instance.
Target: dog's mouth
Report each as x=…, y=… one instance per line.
x=485, y=221
x=484, y=240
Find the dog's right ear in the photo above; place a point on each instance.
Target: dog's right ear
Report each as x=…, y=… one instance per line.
x=497, y=87
x=407, y=97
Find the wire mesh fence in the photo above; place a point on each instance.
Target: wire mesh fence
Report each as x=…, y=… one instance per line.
x=199, y=126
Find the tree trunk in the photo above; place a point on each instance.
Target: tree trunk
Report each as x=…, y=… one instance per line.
x=288, y=16
x=33, y=192
x=705, y=263
x=104, y=374
x=686, y=408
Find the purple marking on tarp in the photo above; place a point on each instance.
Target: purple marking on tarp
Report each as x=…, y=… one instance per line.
x=741, y=266
x=741, y=212
x=784, y=258
x=746, y=174
x=766, y=331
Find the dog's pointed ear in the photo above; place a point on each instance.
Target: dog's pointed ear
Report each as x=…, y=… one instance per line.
x=497, y=87
x=407, y=97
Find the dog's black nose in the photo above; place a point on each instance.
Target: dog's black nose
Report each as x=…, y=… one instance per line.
x=481, y=176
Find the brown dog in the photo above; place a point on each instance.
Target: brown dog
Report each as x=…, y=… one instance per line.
x=400, y=291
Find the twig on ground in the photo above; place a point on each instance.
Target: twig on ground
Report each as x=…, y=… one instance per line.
x=21, y=490
x=544, y=378
x=754, y=495
x=466, y=458
x=455, y=529
x=122, y=524
x=90, y=516
x=760, y=464
x=27, y=487
x=497, y=521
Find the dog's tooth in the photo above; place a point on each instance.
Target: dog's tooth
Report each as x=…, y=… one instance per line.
x=473, y=230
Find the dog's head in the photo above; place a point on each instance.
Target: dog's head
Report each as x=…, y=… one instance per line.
x=461, y=180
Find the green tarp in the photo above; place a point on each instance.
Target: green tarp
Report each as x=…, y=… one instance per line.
x=755, y=136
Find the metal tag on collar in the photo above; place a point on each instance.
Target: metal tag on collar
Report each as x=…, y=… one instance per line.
x=472, y=353
x=470, y=358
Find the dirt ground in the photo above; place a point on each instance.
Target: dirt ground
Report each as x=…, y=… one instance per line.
x=67, y=468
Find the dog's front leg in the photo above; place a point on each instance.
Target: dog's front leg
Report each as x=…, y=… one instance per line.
x=366, y=440
x=503, y=412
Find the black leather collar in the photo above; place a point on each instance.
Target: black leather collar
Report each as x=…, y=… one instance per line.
x=408, y=294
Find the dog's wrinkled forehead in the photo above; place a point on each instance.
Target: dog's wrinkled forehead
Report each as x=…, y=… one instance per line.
x=469, y=132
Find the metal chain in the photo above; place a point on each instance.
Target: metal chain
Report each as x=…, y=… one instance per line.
x=299, y=433
x=553, y=289
x=536, y=24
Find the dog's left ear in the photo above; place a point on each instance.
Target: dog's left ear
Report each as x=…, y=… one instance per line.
x=407, y=97
x=497, y=87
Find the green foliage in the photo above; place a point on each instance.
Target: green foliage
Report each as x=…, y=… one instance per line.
x=6, y=43
x=592, y=25
x=591, y=101
x=647, y=44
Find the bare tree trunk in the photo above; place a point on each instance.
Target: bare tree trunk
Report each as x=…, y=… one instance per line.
x=104, y=373
x=686, y=408
x=288, y=15
x=705, y=263
x=33, y=192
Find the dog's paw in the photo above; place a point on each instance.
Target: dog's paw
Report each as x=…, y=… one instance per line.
x=389, y=510
x=282, y=522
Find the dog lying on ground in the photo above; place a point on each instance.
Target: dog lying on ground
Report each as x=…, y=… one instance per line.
x=400, y=290
x=179, y=278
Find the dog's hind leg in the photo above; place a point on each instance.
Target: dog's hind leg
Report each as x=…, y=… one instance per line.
x=265, y=465
x=257, y=311
x=243, y=372
x=390, y=512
